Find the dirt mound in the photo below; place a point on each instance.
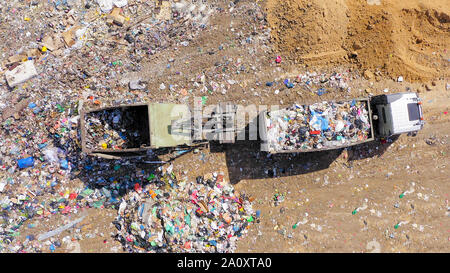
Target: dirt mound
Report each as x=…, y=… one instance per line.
x=399, y=39
x=309, y=30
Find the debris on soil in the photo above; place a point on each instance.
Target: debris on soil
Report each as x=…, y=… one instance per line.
x=64, y=58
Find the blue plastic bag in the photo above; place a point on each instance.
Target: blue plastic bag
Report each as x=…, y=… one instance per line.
x=321, y=121
x=26, y=162
x=64, y=164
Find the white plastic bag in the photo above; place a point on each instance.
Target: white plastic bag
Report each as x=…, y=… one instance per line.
x=107, y=5
x=52, y=154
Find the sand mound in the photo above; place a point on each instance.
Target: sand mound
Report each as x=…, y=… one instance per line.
x=399, y=39
x=309, y=30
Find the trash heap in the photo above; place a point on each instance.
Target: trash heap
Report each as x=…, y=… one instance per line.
x=318, y=126
x=168, y=215
x=113, y=129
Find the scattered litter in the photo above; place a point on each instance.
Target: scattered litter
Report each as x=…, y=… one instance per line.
x=184, y=216
x=59, y=230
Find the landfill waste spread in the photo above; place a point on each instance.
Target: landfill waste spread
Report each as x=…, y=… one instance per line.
x=62, y=57
x=70, y=53
x=116, y=129
x=171, y=215
x=317, y=126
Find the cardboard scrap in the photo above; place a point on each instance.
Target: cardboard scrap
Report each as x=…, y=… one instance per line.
x=116, y=17
x=21, y=73
x=52, y=43
x=34, y=52
x=14, y=109
x=69, y=36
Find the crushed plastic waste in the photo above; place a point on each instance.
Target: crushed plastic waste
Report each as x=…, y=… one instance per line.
x=318, y=126
x=171, y=215
x=114, y=129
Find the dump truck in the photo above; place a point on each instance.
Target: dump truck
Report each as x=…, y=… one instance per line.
x=314, y=127
x=147, y=127
x=152, y=123
x=384, y=115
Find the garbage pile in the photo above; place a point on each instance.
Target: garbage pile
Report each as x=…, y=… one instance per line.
x=318, y=126
x=116, y=129
x=169, y=215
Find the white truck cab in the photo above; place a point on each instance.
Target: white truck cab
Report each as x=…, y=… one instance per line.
x=396, y=114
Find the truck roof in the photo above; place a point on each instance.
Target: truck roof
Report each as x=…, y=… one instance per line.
x=404, y=112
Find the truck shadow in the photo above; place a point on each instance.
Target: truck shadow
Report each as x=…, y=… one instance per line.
x=114, y=177
x=245, y=161
x=371, y=149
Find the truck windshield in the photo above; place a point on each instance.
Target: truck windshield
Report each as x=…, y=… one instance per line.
x=413, y=111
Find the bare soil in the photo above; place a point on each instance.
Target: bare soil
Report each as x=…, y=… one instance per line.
x=408, y=39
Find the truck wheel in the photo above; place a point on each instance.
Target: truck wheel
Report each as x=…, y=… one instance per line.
x=375, y=117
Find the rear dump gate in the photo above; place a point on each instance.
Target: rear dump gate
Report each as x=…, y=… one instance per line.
x=266, y=137
x=114, y=132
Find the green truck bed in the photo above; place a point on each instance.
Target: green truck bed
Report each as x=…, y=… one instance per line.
x=154, y=121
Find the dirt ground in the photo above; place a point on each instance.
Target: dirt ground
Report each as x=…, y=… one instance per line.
x=396, y=37
x=321, y=190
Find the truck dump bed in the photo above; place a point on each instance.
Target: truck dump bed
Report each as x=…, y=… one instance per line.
x=317, y=127
x=127, y=130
